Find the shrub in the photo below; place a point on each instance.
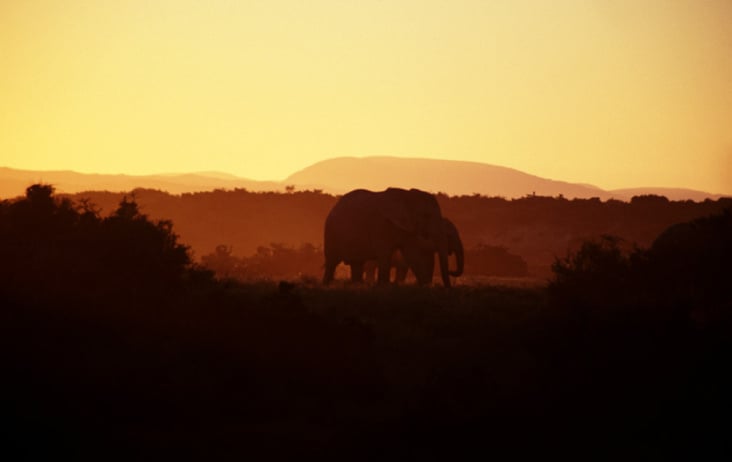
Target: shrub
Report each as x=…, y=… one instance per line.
x=599, y=273
x=50, y=246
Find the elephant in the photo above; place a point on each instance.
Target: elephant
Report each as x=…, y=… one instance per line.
x=366, y=225
x=422, y=262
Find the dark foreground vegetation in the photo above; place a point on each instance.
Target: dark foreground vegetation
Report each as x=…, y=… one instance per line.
x=115, y=346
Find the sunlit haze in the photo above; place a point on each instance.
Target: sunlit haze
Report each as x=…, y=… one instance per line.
x=613, y=93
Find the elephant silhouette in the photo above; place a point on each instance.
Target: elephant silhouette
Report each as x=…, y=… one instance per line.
x=366, y=225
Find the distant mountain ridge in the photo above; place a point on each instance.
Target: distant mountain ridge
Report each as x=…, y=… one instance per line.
x=451, y=177
x=13, y=182
x=458, y=178
x=342, y=174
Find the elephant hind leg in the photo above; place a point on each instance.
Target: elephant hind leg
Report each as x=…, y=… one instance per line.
x=330, y=267
x=384, y=271
x=401, y=273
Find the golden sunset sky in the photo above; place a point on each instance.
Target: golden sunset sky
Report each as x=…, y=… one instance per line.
x=617, y=93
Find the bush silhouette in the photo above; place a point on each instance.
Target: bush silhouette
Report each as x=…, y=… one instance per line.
x=597, y=274
x=52, y=246
x=689, y=265
x=686, y=269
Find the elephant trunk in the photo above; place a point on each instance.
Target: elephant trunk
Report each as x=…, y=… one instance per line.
x=460, y=257
x=444, y=271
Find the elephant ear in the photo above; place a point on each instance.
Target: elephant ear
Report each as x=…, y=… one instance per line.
x=398, y=213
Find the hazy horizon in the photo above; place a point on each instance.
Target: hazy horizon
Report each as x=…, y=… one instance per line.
x=615, y=94
x=341, y=174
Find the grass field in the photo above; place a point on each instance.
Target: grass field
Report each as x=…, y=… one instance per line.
x=232, y=370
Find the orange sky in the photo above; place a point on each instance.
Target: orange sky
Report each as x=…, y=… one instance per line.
x=616, y=93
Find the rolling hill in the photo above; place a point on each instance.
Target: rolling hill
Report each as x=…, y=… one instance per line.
x=13, y=182
x=452, y=177
x=342, y=174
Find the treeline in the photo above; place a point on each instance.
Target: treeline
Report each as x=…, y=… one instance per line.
x=540, y=229
x=535, y=228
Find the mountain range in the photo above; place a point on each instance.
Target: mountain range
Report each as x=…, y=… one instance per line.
x=342, y=174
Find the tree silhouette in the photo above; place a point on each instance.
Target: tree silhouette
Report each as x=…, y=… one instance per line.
x=50, y=246
x=686, y=269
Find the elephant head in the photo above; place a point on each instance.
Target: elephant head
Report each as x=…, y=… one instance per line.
x=365, y=225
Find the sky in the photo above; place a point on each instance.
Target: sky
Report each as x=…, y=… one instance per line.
x=615, y=93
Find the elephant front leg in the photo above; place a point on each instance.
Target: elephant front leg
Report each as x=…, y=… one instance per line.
x=369, y=271
x=443, y=269
x=384, y=270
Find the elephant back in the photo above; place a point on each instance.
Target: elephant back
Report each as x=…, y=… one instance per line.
x=414, y=211
x=411, y=211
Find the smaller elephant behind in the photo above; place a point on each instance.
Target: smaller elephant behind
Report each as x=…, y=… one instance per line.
x=421, y=262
